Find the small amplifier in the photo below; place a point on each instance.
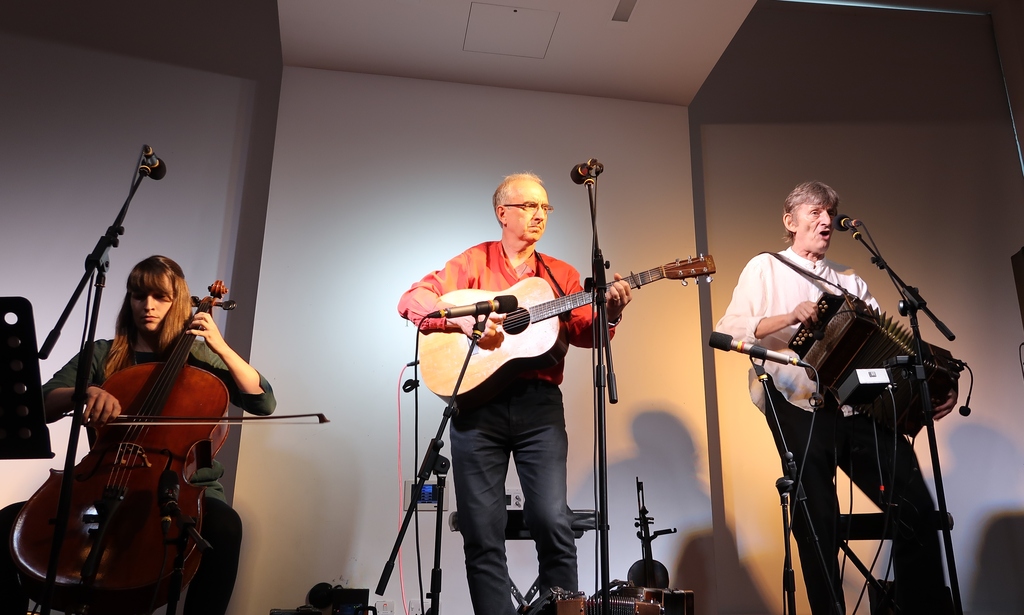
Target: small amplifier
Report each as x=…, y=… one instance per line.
x=862, y=386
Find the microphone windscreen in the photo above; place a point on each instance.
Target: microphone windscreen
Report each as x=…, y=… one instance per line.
x=158, y=170
x=721, y=341
x=506, y=303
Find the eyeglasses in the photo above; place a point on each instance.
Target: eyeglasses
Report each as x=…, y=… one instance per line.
x=531, y=208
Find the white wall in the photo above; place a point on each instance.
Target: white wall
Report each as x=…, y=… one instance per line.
x=74, y=122
x=379, y=180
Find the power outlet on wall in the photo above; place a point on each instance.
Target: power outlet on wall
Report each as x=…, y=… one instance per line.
x=385, y=607
x=415, y=607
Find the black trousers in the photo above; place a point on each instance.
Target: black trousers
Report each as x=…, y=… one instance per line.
x=210, y=589
x=884, y=466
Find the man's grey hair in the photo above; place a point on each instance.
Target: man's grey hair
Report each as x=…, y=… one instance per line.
x=504, y=190
x=812, y=193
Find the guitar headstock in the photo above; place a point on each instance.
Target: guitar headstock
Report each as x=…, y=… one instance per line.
x=690, y=268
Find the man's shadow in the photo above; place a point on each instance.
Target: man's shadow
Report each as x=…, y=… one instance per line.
x=667, y=463
x=985, y=494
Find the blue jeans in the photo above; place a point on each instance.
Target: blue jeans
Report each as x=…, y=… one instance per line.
x=527, y=421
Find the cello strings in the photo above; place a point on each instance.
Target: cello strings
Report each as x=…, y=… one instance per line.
x=128, y=452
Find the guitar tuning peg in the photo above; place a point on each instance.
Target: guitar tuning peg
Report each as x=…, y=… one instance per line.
x=683, y=282
x=710, y=279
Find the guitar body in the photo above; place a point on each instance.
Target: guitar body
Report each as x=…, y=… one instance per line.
x=542, y=344
x=532, y=337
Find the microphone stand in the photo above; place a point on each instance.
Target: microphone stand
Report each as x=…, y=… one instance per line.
x=603, y=352
x=437, y=464
x=186, y=529
x=96, y=264
x=790, y=485
x=909, y=306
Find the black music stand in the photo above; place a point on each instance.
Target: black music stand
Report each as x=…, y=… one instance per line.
x=23, y=431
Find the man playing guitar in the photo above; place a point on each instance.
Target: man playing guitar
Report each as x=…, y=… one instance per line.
x=526, y=417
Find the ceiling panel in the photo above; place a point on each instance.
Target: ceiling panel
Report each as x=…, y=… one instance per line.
x=662, y=54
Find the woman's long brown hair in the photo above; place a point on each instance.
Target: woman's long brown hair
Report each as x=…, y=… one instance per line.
x=156, y=274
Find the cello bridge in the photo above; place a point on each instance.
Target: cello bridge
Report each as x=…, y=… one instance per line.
x=131, y=456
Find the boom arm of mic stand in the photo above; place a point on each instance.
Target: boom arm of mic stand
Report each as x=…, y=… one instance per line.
x=97, y=259
x=910, y=293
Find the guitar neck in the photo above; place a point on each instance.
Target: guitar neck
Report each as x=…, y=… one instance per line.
x=548, y=309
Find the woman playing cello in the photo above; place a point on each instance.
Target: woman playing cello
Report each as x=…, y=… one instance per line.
x=156, y=307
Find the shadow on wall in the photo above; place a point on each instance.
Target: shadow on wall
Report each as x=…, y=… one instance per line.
x=986, y=487
x=997, y=580
x=666, y=462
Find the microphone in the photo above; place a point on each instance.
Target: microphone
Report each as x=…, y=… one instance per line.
x=151, y=165
x=167, y=497
x=721, y=341
x=589, y=169
x=502, y=304
x=846, y=223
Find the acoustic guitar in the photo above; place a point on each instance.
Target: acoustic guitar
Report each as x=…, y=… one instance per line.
x=533, y=339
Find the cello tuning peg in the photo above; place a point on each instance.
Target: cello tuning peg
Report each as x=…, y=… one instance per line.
x=227, y=305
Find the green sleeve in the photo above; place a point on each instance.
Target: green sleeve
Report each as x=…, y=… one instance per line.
x=65, y=376
x=260, y=403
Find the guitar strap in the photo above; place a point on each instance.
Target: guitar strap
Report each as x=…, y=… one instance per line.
x=809, y=274
x=564, y=316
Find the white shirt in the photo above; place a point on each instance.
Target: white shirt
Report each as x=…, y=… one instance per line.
x=768, y=287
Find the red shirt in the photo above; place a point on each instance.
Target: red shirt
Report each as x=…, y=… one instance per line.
x=486, y=267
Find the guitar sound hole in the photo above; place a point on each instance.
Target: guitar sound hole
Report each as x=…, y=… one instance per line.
x=516, y=322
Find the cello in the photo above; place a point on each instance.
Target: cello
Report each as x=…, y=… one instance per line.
x=114, y=558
